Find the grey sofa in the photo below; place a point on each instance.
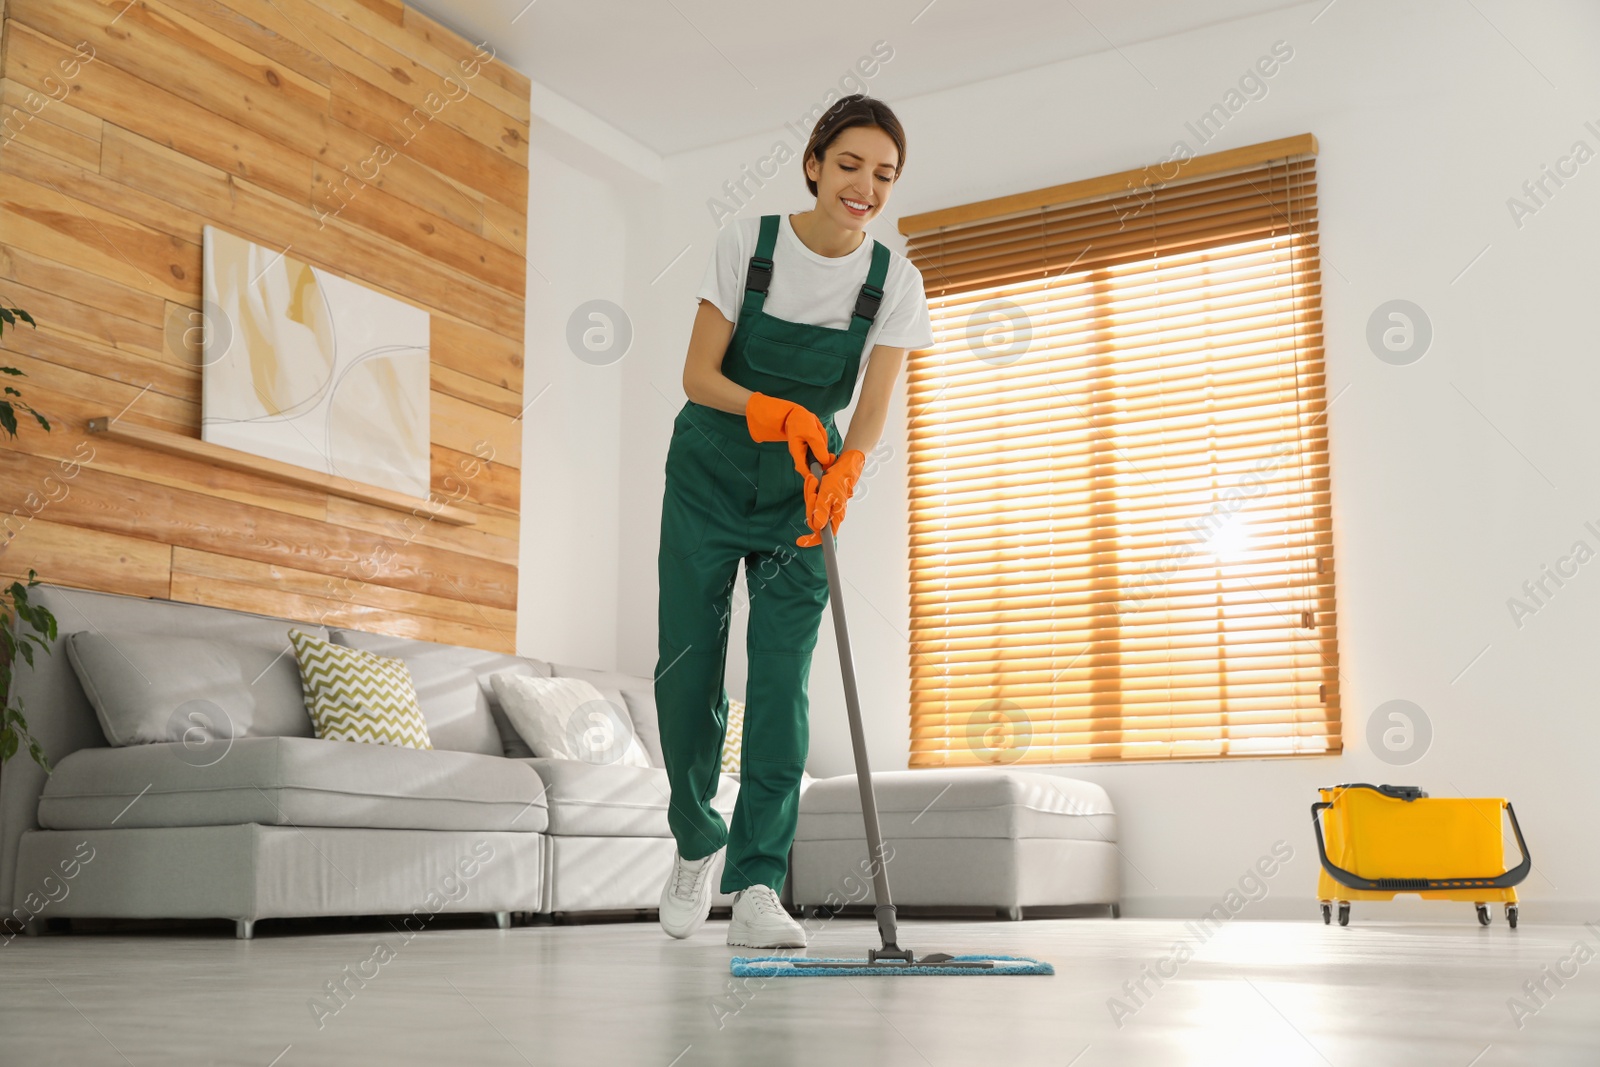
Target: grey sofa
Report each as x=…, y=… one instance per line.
x=276, y=823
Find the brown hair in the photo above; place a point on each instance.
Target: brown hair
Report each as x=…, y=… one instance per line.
x=854, y=110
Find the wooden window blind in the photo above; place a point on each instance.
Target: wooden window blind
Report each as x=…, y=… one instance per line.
x=1120, y=529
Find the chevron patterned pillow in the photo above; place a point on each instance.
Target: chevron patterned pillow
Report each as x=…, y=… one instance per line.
x=359, y=696
x=733, y=743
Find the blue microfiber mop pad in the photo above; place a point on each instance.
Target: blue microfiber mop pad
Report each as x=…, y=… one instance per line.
x=784, y=967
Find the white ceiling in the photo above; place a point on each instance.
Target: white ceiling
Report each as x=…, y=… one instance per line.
x=677, y=75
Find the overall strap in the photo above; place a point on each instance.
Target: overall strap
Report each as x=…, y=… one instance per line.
x=759, y=274
x=871, y=294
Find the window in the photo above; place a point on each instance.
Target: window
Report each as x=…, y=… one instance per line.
x=1121, y=541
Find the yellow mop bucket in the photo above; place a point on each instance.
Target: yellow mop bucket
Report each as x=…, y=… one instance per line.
x=1379, y=840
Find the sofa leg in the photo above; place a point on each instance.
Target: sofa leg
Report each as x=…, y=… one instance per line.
x=502, y=919
x=1116, y=911
x=244, y=929
x=33, y=928
x=1012, y=912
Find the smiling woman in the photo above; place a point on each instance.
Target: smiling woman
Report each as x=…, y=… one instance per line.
x=859, y=174
x=795, y=310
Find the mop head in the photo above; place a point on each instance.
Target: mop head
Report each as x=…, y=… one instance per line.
x=806, y=966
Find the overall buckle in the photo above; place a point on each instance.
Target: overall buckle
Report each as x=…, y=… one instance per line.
x=867, y=302
x=760, y=272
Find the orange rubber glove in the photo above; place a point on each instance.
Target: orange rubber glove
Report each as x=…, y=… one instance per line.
x=772, y=418
x=833, y=493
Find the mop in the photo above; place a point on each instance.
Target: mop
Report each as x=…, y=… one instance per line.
x=891, y=958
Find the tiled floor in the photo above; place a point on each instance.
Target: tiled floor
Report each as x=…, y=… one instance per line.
x=1269, y=993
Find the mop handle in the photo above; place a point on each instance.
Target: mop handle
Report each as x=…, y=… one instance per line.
x=884, y=909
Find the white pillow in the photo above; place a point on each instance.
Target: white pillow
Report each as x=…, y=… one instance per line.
x=567, y=718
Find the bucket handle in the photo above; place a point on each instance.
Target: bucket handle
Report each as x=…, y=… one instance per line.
x=1413, y=885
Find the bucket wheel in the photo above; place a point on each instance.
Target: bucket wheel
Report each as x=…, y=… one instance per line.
x=1327, y=912
x=1511, y=916
x=1344, y=913
x=1483, y=914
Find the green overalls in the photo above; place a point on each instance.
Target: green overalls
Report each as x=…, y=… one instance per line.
x=730, y=498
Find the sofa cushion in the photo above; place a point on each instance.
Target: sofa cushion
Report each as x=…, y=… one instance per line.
x=292, y=781
x=151, y=687
x=642, y=710
x=359, y=696
x=567, y=718
x=959, y=802
x=636, y=693
x=613, y=800
x=452, y=683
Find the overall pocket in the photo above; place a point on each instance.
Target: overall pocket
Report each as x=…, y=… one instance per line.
x=798, y=363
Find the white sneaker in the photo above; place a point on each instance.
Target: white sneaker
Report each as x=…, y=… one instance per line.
x=760, y=921
x=686, y=897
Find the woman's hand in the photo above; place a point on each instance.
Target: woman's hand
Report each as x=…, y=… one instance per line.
x=772, y=418
x=827, y=504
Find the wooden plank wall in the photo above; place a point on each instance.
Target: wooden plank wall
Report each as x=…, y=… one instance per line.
x=368, y=141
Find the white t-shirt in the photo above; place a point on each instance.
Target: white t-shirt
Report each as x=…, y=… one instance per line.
x=816, y=289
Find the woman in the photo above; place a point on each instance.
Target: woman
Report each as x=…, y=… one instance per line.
x=790, y=309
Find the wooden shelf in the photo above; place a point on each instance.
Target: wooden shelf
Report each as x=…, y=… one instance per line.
x=233, y=459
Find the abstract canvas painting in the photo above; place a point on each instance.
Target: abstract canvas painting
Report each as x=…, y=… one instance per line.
x=306, y=367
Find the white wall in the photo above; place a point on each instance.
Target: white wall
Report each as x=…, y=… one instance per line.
x=1455, y=479
x=572, y=439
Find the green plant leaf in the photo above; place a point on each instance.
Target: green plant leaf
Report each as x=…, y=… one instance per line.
x=8, y=418
x=11, y=370
x=25, y=317
x=17, y=608
x=43, y=623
